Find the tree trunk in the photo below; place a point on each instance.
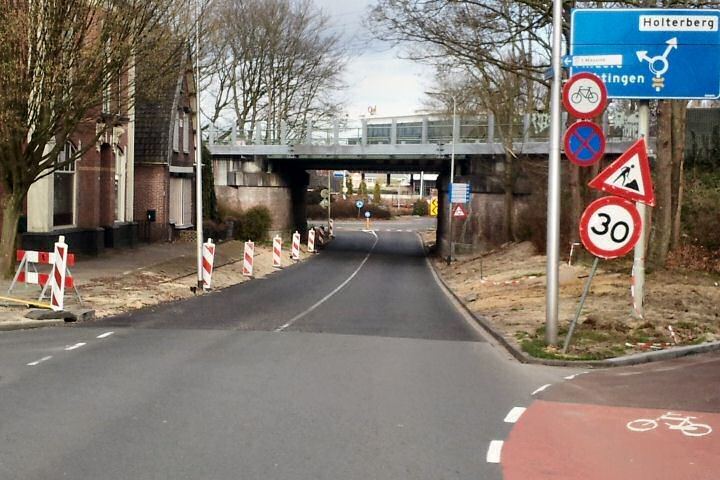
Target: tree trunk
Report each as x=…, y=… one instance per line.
x=509, y=200
x=576, y=203
x=678, y=180
x=662, y=214
x=11, y=208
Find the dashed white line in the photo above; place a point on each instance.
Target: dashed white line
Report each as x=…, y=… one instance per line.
x=494, y=451
x=105, y=335
x=570, y=377
x=38, y=362
x=514, y=414
x=336, y=290
x=540, y=389
x=73, y=347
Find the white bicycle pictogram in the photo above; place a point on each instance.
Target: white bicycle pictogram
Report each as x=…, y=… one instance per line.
x=674, y=421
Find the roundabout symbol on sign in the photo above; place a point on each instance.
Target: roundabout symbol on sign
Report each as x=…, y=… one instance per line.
x=584, y=143
x=585, y=95
x=610, y=227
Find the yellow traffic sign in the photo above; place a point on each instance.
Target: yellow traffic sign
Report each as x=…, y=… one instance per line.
x=434, y=207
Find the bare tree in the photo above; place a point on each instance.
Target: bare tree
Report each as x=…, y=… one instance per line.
x=272, y=60
x=59, y=62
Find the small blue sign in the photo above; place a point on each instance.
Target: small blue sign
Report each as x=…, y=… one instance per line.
x=648, y=53
x=459, y=193
x=359, y=204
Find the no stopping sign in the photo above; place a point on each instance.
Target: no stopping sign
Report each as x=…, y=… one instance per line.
x=610, y=227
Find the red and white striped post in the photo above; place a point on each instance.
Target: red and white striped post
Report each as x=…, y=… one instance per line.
x=331, y=228
x=248, y=258
x=311, y=240
x=57, y=276
x=295, y=252
x=277, y=252
x=208, y=258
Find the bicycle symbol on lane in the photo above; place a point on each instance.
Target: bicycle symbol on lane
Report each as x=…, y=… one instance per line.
x=674, y=421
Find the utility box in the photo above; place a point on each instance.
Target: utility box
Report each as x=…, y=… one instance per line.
x=151, y=215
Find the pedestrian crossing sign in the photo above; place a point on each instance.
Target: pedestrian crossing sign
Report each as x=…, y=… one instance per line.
x=628, y=176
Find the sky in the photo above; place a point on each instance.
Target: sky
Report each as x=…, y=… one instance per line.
x=376, y=77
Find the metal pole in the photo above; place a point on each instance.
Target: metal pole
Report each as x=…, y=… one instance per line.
x=580, y=305
x=329, y=198
x=450, y=185
x=553, y=207
x=638, y=270
x=198, y=151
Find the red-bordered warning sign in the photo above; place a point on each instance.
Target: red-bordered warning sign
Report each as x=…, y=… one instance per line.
x=610, y=227
x=628, y=176
x=585, y=95
x=459, y=211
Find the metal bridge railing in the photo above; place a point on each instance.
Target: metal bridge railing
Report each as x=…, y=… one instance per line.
x=426, y=129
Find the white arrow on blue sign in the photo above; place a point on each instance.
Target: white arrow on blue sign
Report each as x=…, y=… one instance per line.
x=649, y=53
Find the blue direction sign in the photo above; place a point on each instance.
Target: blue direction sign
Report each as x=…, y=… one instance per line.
x=584, y=143
x=649, y=53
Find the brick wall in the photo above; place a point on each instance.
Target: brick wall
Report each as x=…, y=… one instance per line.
x=151, y=192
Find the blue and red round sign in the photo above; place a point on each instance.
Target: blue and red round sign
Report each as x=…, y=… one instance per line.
x=584, y=143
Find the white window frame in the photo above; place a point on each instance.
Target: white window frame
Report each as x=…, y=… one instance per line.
x=68, y=169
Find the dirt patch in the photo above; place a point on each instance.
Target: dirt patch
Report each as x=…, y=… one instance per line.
x=507, y=288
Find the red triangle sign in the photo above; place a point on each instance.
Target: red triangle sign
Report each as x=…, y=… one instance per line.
x=459, y=212
x=628, y=176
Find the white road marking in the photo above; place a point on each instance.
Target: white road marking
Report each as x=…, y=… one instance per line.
x=105, y=335
x=570, y=377
x=540, y=389
x=514, y=414
x=494, y=451
x=337, y=289
x=38, y=362
x=73, y=347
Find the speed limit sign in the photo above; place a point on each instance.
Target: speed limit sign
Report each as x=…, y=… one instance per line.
x=610, y=227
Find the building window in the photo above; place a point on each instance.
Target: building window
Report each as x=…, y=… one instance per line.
x=176, y=133
x=186, y=133
x=181, y=201
x=64, y=189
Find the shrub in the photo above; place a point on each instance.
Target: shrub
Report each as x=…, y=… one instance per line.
x=254, y=224
x=420, y=207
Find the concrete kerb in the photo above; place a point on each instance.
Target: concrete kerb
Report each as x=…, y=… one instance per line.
x=626, y=360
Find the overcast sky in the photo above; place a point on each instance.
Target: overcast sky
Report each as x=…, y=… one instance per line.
x=375, y=76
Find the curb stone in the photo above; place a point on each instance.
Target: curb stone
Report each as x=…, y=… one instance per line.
x=625, y=360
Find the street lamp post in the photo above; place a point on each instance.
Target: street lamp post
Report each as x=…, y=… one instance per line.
x=198, y=153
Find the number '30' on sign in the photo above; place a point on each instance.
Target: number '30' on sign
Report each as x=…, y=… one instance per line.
x=610, y=227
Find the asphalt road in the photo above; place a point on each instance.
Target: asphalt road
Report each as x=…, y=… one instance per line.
x=353, y=365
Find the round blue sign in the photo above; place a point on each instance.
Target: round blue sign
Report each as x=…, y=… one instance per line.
x=367, y=214
x=584, y=143
x=359, y=204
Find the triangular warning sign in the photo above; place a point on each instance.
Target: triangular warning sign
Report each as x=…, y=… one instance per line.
x=628, y=176
x=459, y=212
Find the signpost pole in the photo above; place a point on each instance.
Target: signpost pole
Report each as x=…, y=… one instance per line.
x=450, y=186
x=553, y=206
x=638, y=270
x=329, y=187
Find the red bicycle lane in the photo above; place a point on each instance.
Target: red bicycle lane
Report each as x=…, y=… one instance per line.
x=587, y=428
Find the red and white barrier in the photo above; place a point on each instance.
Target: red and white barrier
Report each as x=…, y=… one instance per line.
x=311, y=240
x=295, y=251
x=27, y=272
x=248, y=258
x=57, y=282
x=277, y=252
x=208, y=259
